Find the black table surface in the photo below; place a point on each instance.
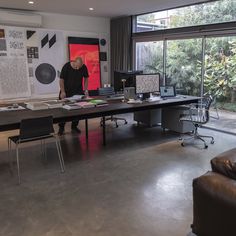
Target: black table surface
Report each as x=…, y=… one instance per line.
x=10, y=120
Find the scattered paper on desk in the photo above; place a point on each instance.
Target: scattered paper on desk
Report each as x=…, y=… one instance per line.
x=54, y=103
x=99, y=102
x=72, y=107
x=11, y=108
x=134, y=102
x=85, y=104
x=75, y=98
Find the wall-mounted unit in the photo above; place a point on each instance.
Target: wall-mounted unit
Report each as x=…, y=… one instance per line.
x=20, y=18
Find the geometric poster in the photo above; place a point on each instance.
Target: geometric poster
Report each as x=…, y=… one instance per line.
x=47, y=60
x=32, y=54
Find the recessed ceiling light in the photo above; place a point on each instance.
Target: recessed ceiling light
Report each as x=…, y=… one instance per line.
x=31, y=2
x=91, y=8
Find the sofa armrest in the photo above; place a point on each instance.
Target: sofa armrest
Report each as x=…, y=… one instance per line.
x=214, y=205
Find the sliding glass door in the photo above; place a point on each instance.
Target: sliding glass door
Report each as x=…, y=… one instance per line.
x=181, y=62
x=220, y=81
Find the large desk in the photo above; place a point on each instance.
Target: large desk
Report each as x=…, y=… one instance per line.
x=10, y=120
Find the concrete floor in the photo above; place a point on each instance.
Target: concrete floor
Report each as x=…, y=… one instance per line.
x=140, y=184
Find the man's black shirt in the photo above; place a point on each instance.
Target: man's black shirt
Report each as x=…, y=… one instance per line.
x=73, y=79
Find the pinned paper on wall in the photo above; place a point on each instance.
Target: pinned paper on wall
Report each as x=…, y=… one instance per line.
x=51, y=60
x=3, y=44
x=16, y=42
x=32, y=44
x=2, y=33
x=14, y=81
x=32, y=52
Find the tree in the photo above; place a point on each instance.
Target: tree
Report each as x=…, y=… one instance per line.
x=220, y=73
x=184, y=56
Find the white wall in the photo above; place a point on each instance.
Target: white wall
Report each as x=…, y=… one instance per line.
x=75, y=23
x=83, y=26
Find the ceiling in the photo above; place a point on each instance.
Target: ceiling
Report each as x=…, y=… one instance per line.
x=102, y=8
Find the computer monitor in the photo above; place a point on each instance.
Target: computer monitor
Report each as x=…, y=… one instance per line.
x=128, y=76
x=167, y=91
x=146, y=84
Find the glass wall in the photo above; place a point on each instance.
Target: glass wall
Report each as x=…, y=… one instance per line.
x=183, y=65
x=200, y=14
x=149, y=57
x=220, y=71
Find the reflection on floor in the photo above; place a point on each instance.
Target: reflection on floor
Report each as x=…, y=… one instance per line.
x=140, y=184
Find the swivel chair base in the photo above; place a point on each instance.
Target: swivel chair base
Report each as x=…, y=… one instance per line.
x=196, y=136
x=114, y=119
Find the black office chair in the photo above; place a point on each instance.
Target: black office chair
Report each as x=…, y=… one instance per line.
x=33, y=130
x=109, y=91
x=198, y=115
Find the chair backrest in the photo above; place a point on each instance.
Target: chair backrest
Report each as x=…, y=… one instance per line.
x=106, y=91
x=206, y=103
x=36, y=127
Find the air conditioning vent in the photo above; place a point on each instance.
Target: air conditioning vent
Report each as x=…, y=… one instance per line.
x=20, y=18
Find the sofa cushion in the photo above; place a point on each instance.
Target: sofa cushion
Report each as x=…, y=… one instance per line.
x=225, y=163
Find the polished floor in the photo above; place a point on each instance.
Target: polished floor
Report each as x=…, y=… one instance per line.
x=139, y=184
x=223, y=120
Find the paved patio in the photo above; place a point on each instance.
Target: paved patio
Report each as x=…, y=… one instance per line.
x=225, y=122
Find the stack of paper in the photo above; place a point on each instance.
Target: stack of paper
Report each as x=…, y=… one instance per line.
x=36, y=106
x=54, y=103
x=72, y=107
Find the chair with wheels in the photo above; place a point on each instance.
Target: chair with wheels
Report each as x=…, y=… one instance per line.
x=36, y=129
x=109, y=91
x=198, y=116
x=213, y=106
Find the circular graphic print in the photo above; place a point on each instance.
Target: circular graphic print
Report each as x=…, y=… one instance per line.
x=45, y=73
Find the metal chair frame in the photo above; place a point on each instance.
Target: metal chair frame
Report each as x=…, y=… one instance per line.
x=26, y=135
x=198, y=115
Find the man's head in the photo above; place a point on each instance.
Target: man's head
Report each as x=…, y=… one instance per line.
x=78, y=62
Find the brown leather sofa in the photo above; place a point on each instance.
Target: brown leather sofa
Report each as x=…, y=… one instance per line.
x=214, y=198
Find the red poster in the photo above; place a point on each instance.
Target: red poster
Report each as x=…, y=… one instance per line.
x=90, y=55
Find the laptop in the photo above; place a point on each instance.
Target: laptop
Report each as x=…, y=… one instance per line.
x=167, y=92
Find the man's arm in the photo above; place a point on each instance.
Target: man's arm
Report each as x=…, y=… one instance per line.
x=86, y=83
x=62, y=88
x=86, y=76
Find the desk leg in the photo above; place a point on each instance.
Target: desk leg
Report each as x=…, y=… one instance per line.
x=104, y=130
x=86, y=129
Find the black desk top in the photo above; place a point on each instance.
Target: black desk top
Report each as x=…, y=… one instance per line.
x=10, y=120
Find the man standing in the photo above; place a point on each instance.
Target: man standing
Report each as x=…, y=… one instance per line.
x=71, y=83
